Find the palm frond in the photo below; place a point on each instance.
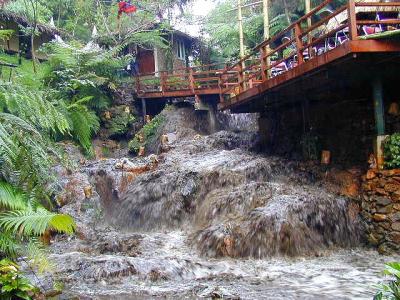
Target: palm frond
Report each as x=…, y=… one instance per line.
x=29, y=223
x=8, y=244
x=10, y=198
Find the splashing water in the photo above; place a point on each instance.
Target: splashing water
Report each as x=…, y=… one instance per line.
x=211, y=219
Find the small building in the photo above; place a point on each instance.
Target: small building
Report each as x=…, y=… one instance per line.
x=160, y=59
x=20, y=42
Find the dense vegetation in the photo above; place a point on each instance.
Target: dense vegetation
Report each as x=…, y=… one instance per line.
x=44, y=103
x=392, y=151
x=390, y=290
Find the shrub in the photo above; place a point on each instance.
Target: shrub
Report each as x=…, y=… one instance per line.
x=12, y=284
x=391, y=289
x=391, y=150
x=145, y=134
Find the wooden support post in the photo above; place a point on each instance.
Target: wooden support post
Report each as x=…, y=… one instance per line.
x=378, y=105
x=379, y=119
x=351, y=11
x=299, y=43
x=144, y=112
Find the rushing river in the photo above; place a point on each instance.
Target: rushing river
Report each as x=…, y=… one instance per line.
x=210, y=218
x=339, y=274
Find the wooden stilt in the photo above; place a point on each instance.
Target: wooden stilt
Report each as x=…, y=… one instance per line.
x=377, y=91
x=144, y=112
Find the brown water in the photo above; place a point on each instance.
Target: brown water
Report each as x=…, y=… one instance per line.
x=213, y=219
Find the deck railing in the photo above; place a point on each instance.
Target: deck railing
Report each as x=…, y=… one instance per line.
x=193, y=79
x=295, y=45
x=300, y=42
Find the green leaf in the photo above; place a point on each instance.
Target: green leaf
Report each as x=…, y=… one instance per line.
x=36, y=222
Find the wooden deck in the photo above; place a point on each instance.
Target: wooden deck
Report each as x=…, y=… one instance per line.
x=282, y=62
x=185, y=82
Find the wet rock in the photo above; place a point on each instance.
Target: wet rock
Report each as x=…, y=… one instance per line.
x=217, y=293
x=379, y=217
x=395, y=217
x=156, y=275
x=370, y=174
x=396, y=226
x=383, y=201
x=395, y=237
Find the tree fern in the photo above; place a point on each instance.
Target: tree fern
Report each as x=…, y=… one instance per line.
x=33, y=106
x=85, y=123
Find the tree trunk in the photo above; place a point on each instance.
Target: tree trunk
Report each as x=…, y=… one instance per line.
x=287, y=14
x=33, y=49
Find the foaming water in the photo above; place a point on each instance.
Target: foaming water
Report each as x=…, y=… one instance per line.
x=182, y=274
x=211, y=219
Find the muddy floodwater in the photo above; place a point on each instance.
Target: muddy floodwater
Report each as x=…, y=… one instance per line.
x=209, y=217
x=340, y=274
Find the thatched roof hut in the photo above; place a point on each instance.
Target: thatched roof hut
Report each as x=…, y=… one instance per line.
x=42, y=28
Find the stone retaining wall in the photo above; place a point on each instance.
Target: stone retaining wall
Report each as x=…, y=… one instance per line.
x=381, y=209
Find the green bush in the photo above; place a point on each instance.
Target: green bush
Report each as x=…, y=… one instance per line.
x=391, y=150
x=391, y=289
x=12, y=284
x=120, y=122
x=147, y=133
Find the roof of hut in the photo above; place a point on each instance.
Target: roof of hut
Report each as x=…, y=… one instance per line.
x=10, y=16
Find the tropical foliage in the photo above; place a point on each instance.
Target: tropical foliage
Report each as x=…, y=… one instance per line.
x=146, y=134
x=390, y=290
x=13, y=285
x=391, y=150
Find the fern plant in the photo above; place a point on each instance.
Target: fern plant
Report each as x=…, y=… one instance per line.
x=84, y=80
x=22, y=218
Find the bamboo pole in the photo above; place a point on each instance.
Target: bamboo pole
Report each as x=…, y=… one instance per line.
x=266, y=19
x=267, y=49
x=309, y=36
x=241, y=36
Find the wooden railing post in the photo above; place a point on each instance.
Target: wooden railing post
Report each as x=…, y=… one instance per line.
x=137, y=79
x=191, y=80
x=163, y=81
x=264, y=70
x=220, y=85
x=299, y=43
x=241, y=77
x=351, y=11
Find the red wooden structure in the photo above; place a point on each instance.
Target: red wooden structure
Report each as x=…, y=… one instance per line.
x=298, y=51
